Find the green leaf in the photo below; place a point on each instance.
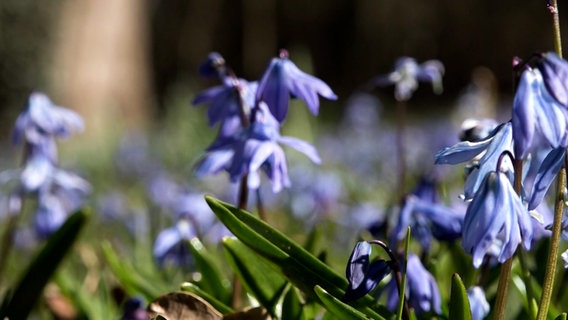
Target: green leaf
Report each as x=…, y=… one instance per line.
x=265, y=284
x=212, y=281
x=42, y=268
x=336, y=307
x=128, y=277
x=292, y=305
x=561, y=316
x=298, y=265
x=190, y=287
x=459, y=302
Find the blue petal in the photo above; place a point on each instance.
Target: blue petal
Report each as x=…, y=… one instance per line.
x=524, y=113
x=302, y=147
x=547, y=172
x=273, y=89
x=555, y=73
x=461, y=152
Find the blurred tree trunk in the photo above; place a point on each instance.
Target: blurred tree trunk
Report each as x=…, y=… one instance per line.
x=101, y=66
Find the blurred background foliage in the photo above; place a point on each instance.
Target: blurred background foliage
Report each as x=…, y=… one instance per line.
x=126, y=58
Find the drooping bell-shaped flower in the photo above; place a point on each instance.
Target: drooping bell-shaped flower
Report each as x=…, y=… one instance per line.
x=422, y=292
x=362, y=274
x=547, y=172
x=255, y=148
x=171, y=244
x=555, y=74
x=499, y=141
x=406, y=75
x=496, y=219
x=283, y=80
x=539, y=120
x=225, y=101
x=423, y=211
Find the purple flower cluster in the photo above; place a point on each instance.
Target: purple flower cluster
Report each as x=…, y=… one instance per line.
x=250, y=116
x=58, y=192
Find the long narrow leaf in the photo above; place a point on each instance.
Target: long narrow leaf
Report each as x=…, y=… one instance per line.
x=338, y=308
x=257, y=277
x=42, y=268
x=212, y=280
x=303, y=269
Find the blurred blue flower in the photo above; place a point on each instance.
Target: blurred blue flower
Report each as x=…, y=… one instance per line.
x=213, y=67
x=41, y=118
x=496, y=217
x=422, y=292
x=423, y=211
x=225, y=100
x=406, y=75
x=363, y=275
x=537, y=116
x=171, y=245
x=490, y=149
x=255, y=147
x=134, y=309
x=282, y=80
x=478, y=303
x=50, y=214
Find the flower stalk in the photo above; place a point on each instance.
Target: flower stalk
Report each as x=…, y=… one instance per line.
x=550, y=272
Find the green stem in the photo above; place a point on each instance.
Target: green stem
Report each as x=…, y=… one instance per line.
x=556, y=27
x=402, y=291
x=547, y=286
x=528, y=284
x=551, y=264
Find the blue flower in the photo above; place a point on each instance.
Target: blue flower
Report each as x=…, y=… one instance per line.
x=282, y=80
x=406, y=75
x=428, y=218
x=363, y=275
x=539, y=120
x=478, y=303
x=225, y=100
x=496, y=219
x=422, y=292
x=213, y=67
x=172, y=244
x=499, y=141
x=50, y=214
x=254, y=148
x=555, y=73
x=41, y=119
x=547, y=172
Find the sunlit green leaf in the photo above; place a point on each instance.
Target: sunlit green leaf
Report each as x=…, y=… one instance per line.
x=459, y=302
x=336, y=307
x=212, y=281
x=265, y=284
x=190, y=287
x=303, y=269
x=292, y=305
